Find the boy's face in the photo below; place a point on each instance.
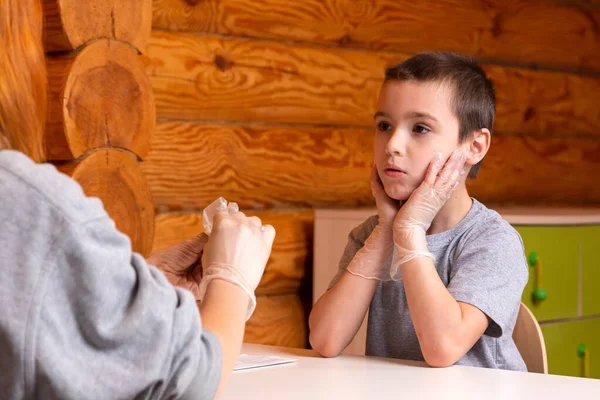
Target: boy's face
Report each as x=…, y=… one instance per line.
x=413, y=122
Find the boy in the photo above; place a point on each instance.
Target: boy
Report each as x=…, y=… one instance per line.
x=441, y=275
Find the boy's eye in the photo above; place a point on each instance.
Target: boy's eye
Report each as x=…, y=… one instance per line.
x=383, y=126
x=421, y=129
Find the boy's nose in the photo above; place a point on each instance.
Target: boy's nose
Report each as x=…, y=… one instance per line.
x=396, y=146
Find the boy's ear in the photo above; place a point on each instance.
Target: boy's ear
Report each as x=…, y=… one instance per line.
x=478, y=146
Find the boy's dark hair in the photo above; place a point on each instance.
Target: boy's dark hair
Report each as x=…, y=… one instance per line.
x=473, y=100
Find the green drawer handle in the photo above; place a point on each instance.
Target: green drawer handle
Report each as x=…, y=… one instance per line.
x=539, y=294
x=584, y=353
x=533, y=258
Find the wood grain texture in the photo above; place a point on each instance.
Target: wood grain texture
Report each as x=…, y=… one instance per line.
x=265, y=167
x=208, y=78
x=190, y=165
x=278, y=321
x=521, y=170
x=115, y=178
x=538, y=32
x=98, y=97
x=69, y=24
x=290, y=256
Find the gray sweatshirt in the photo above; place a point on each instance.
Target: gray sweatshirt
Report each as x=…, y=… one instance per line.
x=82, y=316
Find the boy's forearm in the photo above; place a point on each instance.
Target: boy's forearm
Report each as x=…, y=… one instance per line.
x=443, y=332
x=339, y=313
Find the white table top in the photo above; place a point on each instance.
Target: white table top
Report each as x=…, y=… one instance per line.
x=355, y=377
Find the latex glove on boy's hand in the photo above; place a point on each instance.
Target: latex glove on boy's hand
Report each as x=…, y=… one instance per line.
x=417, y=213
x=370, y=262
x=237, y=251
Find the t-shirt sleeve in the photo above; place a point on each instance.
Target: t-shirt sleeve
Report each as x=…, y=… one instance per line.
x=356, y=240
x=112, y=327
x=490, y=272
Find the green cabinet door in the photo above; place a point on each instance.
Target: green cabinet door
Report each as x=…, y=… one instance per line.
x=558, y=251
x=590, y=259
x=562, y=344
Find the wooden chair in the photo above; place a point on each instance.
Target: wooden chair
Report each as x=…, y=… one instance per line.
x=530, y=341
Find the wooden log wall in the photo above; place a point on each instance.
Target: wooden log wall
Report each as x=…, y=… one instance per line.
x=101, y=111
x=270, y=104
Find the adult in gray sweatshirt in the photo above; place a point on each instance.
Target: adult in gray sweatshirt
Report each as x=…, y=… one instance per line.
x=82, y=316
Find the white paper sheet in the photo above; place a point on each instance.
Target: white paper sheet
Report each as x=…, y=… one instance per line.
x=246, y=361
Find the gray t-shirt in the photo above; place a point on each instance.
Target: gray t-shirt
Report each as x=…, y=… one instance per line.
x=83, y=317
x=482, y=262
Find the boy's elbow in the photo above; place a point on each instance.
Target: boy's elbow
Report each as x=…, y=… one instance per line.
x=325, y=346
x=320, y=338
x=441, y=356
x=439, y=360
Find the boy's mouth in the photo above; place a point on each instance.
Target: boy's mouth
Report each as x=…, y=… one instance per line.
x=393, y=171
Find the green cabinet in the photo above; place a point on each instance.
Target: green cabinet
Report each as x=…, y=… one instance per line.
x=590, y=266
x=557, y=251
x=568, y=308
x=562, y=344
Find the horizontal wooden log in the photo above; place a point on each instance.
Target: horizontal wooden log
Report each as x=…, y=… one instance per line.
x=538, y=32
x=523, y=170
x=278, y=321
x=286, y=269
x=98, y=97
x=191, y=164
x=115, y=178
x=69, y=24
x=265, y=167
x=208, y=78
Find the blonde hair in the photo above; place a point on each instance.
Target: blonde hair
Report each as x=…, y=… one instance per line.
x=22, y=77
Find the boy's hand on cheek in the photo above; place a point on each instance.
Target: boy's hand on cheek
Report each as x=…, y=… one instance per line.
x=416, y=215
x=387, y=208
x=370, y=261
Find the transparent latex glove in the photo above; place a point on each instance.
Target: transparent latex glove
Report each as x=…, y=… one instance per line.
x=237, y=251
x=181, y=263
x=371, y=261
x=416, y=214
x=209, y=212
